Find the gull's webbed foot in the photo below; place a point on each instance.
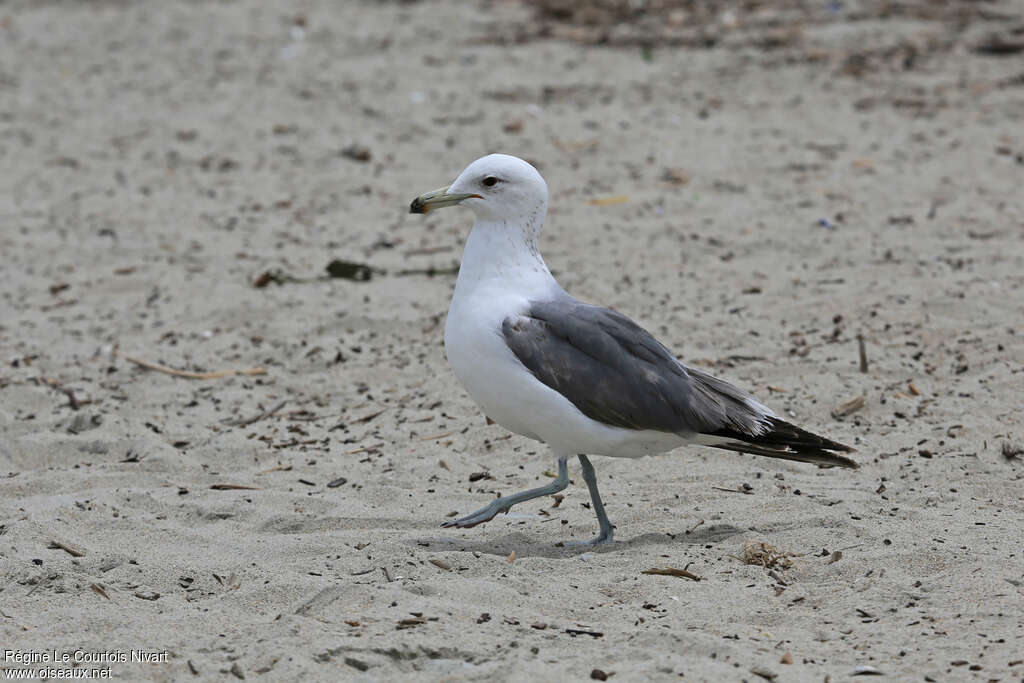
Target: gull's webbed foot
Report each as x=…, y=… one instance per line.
x=484, y=514
x=606, y=536
x=504, y=504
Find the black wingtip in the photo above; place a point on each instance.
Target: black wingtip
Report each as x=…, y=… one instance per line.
x=789, y=442
x=841, y=461
x=819, y=458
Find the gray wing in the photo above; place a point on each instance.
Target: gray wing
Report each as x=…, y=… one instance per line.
x=616, y=373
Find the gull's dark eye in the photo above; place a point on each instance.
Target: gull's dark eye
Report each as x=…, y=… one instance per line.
x=490, y=181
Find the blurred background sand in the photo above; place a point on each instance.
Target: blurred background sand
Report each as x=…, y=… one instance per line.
x=756, y=182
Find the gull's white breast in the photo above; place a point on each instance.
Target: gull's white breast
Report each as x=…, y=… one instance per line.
x=509, y=393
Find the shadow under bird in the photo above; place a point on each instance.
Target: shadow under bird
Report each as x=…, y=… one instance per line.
x=584, y=379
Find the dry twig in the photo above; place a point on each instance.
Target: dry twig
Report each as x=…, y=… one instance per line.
x=848, y=408
x=68, y=548
x=242, y=422
x=672, y=571
x=217, y=374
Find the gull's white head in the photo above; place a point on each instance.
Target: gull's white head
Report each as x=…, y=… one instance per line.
x=497, y=187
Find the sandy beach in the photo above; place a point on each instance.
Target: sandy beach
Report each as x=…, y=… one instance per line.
x=220, y=460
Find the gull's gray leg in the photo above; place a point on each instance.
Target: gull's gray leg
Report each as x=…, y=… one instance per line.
x=607, y=530
x=487, y=513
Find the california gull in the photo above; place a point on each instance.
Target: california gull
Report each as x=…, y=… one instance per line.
x=584, y=379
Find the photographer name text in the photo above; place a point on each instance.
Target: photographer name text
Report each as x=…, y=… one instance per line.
x=85, y=656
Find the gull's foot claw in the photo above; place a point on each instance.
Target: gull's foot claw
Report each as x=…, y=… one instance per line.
x=463, y=523
x=470, y=521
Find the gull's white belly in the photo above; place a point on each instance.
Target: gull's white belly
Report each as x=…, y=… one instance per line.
x=510, y=395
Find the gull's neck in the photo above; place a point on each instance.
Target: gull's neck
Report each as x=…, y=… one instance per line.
x=505, y=254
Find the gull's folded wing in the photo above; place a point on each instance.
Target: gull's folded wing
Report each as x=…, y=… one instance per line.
x=616, y=373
